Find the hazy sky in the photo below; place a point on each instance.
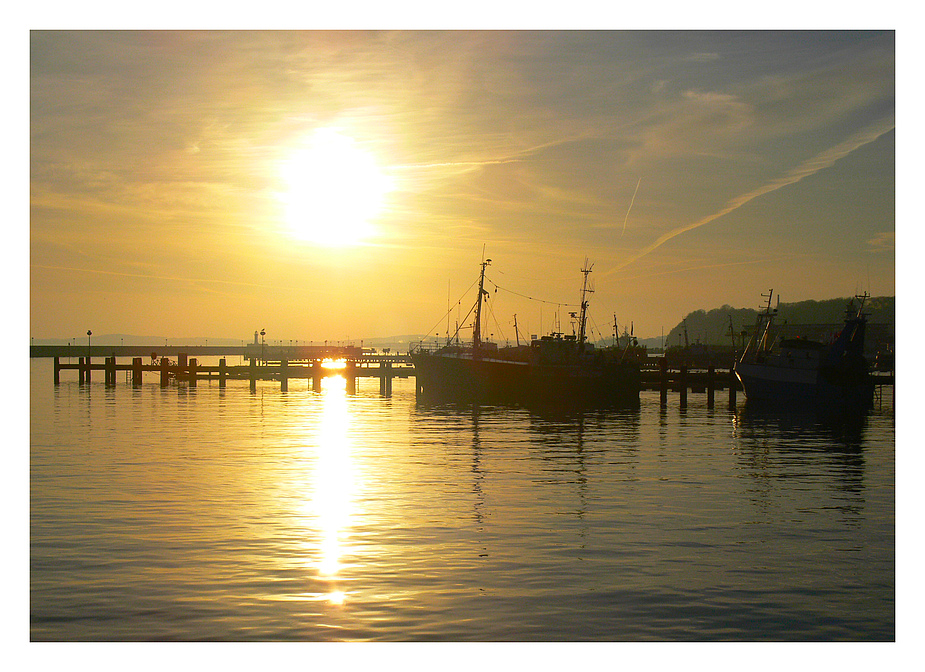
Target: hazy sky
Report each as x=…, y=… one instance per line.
x=334, y=185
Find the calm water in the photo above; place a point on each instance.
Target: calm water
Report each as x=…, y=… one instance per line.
x=208, y=514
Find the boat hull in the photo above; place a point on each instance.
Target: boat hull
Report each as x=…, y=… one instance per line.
x=495, y=380
x=796, y=387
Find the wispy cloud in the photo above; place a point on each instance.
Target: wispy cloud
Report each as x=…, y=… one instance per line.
x=702, y=57
x=703, y=267
x=884, y=241
x=169, y=278
x=804, y=170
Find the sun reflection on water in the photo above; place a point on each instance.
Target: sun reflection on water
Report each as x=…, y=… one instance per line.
x=333, y=484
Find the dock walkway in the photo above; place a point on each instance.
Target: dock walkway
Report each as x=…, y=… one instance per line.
x=384, y=367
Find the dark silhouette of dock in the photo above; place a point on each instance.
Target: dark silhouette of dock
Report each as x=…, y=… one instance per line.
x=188, y=369
x=314, y=363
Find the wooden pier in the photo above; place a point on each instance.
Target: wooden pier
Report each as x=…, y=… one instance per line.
x=682, y=380
x=384, y=367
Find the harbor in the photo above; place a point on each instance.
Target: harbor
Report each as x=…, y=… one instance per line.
x=463, y=336
x=655, y=375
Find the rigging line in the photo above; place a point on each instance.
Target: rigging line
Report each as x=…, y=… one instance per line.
x=524, y=296
x=458, y=301
x=590, y=330
x=491, y=312
x=594, y=327
x=456, y=333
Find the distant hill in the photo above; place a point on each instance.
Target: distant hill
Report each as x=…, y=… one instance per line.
x=712, y=327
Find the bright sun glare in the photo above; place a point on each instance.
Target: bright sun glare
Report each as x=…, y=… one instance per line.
x=334, y=190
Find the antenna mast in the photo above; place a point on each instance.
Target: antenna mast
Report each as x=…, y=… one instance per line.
x=584, y=306
x=477, y=330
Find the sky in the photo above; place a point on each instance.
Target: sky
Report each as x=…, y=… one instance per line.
x=341, y=185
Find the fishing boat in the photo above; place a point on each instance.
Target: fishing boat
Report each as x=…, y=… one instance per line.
x=552, y=369
x=799, y=371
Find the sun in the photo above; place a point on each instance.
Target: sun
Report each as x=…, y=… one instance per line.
x=334, y=190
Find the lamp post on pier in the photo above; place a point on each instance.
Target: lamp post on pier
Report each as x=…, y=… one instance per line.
x=89, y=333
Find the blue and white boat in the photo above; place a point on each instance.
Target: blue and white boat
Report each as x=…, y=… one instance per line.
x=798, y=371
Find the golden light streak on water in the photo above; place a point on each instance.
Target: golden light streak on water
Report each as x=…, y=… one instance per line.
x=333, y=486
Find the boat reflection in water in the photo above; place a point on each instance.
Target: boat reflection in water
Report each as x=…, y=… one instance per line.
x=554, y=369
x=810, y=428
x=779, y=445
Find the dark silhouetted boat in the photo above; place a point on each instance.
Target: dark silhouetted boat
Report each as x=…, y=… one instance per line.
x=554, y=369
x=798, y=371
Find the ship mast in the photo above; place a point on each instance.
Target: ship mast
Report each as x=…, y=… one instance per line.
x=584, y=306
x=477, y=329
x=762, y=327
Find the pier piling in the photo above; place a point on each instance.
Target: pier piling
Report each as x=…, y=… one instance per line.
x=57, y=371
x=136, y=371
x=733, y=383
x=350, y=373
x=711, y=385
x=663, y=381
x=385, y=379
x=109, y=377
x=192, y=372
x=683, y=384
x=316, y=376
x=222, y=372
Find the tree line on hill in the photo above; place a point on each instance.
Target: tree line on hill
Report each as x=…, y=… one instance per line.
x=712, y=327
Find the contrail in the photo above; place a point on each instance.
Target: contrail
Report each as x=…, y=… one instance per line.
x=515, y=157
x=762, y=260
x=631, y=207
x=454, y=164
x=805, y=169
